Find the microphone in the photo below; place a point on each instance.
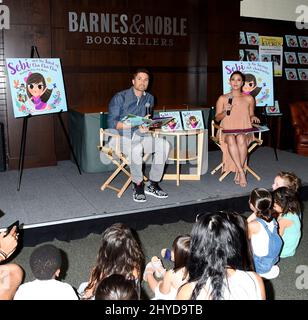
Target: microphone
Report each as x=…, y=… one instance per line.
x=230, y=103
x=148, y=109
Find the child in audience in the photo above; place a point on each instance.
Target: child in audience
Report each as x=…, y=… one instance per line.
x=116, y=287
x=173, y=279
x=11, y=274
x=45, y=263
x=266, y=243
x=286, y=179
x=288, y=209
x=218, y=268
x=119, y=253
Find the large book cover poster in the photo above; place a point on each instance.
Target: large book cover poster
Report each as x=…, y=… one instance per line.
x=258, y=79
x=36, y=86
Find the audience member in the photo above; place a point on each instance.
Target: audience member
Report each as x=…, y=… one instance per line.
x=45, y=264
x=116, y=287
x=173, y=279
x=262, y=230
x=287, y=179
x=218, y=268
x=288, y=209
x=119, y=253
x=11, y=274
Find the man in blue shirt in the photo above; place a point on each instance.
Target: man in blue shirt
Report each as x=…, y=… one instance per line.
x=138, y=140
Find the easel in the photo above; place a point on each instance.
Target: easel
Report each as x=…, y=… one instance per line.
x=24, y=135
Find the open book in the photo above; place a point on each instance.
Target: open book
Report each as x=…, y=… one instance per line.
x=255, y=128
x=136, y=121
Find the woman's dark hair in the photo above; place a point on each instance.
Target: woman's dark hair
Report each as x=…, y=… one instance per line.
x=218, y=241
x=239, y=73
x=120, y=253
x=181, y=249
x=37, y=78
x=116, y=287
x=262, y=200
x=287, y=199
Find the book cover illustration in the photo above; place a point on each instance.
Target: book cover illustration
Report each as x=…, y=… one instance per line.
x=36, y=86
x=291, y=41
x=273, y=110
x=241, y=55
x=136, y=121
x=291, y=73
x=258, y=79
x=290, y=57
x=175, y=124
x=302, y=74
x=303, y=57
x=265, y=57
x=252, y=38
x=252, y=55
x=303, y=41
x=192, y=120
x=242, y=38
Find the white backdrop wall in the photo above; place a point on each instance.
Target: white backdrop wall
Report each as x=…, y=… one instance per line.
x=272, y=9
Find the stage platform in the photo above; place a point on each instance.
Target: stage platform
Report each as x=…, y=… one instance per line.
x=58, y=202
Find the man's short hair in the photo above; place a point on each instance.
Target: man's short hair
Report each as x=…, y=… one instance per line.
x=45, y=261
x=143, y=70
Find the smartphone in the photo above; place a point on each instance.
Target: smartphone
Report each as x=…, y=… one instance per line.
x=10, y=227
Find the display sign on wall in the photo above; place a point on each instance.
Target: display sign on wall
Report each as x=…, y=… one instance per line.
x=258, y=78
x=36, y=86
x=271, y=49
x=114, y=30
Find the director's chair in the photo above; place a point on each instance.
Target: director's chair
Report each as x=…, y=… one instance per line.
x=216, y=132
x=114, y=155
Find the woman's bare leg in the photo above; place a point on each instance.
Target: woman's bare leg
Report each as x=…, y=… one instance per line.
x=235, y=154
x=242, y=146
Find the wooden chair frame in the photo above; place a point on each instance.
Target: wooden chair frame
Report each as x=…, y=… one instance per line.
x=216, y=132
x=118, y=158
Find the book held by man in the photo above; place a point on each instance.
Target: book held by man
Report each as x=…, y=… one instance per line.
x=154, y=123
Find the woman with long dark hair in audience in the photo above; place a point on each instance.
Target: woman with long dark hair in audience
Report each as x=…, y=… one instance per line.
x=220, y=264
x=120, y=253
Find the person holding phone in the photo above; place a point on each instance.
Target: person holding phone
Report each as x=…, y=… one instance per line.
x=11, y=274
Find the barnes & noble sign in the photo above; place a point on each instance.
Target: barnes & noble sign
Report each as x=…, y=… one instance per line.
x=104, y=30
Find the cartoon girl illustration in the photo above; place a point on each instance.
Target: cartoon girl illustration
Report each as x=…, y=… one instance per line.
x=193, y=122
x=21, y=93
x=250, y=85
x=171, y=124
x=37, y=90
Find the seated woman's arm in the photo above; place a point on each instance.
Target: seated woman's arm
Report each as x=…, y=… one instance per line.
x=220, y=109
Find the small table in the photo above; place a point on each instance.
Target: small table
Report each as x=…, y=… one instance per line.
x=178, y=154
